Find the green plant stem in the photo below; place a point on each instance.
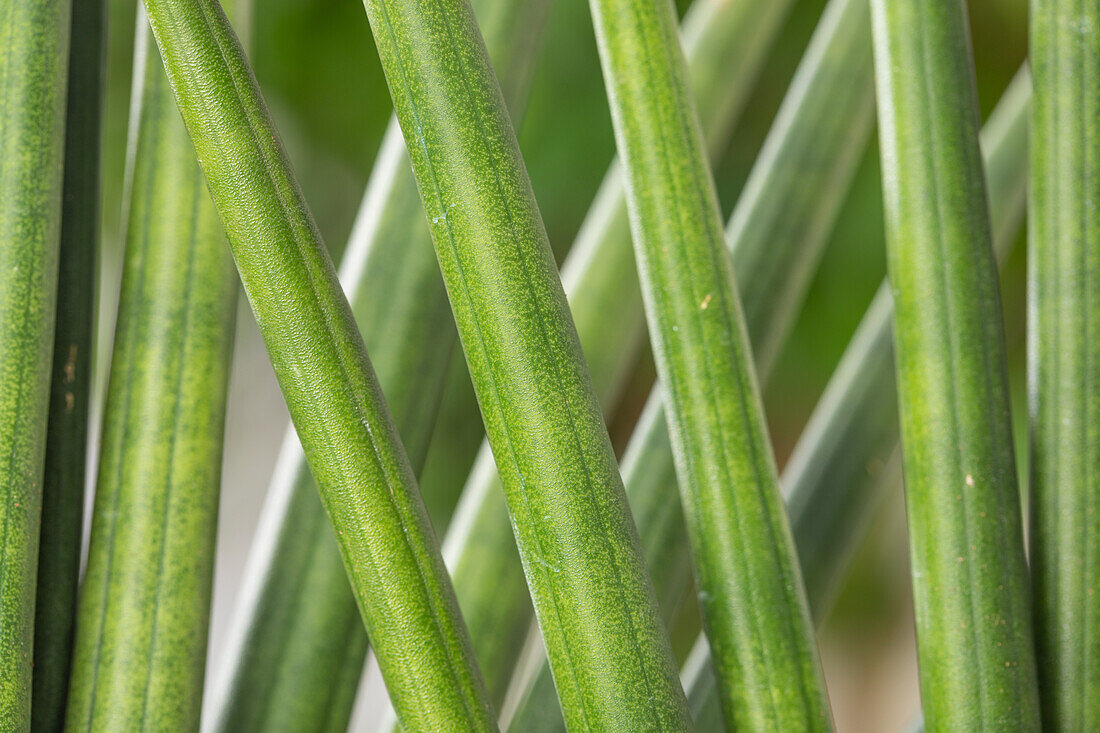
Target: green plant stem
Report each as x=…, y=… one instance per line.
x=668, y=556
x=346, y=430
x=725, y=46
x=835, y=473
x=34, y=38
x=750, y=589
x=299, y=613
x=970, y=581
x=595, y=604
x=67, y=427
x=1064, y=371
x=806, y=164
x=144, y=613
x=845, y=460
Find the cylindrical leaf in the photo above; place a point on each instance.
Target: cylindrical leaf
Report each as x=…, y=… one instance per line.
x=750, y=590
x=611, y=656
x=837, y=469
x=776, y=233
x=725, y=44
x=970, y=582
x=297, y=614
x=144, y=612
x=60, y=540
x=34, y=51
x=345, y=427
x=847, y=456
x=1064, y=358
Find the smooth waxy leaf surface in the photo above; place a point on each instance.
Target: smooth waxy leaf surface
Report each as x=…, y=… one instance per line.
x=1064, y=368
x=291, y=626
x=595, y=605
x=970, y=583
x=346, y=430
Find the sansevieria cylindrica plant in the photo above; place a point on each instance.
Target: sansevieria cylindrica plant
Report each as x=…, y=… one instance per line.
x=830, y=489
x=971, y=589
x=809, y=157
x=605, y=300
x=579, y=547
x=346, y=429
x=279, y=659
x=573, y=463
x=155, y=516
x=33, y=76
x=1064, y=368
x=752, y=601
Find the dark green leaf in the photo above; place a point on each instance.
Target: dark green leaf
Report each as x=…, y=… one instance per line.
x=61, y=535
x=1064, y=371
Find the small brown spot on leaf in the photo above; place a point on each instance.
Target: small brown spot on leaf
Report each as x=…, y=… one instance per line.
x=70, y=365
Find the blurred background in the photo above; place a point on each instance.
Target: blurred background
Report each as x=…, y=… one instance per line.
x=316, y=63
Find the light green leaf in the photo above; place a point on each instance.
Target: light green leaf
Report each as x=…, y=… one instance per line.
x=347, y=432
x=299, y=614
x=140, y=650
x=34, y=36
x=612, y=661
x=970, y=581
